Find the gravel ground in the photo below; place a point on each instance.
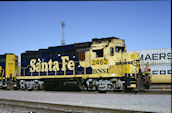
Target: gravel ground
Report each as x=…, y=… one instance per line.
x=142, y=102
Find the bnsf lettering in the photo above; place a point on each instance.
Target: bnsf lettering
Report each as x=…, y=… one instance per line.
x=96, y=71
x=156, y=72
x=156, y=56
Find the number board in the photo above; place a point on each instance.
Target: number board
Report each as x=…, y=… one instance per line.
x=99, y=62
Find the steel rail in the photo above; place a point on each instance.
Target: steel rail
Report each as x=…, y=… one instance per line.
x=63, y=108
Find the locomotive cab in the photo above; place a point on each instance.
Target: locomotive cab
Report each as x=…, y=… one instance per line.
x=108, y=55
x=109, y=60
x=105, y=53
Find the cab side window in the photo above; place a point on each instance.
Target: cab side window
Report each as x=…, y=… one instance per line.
x=118, y=49
x=111, y=51
x=99, y=53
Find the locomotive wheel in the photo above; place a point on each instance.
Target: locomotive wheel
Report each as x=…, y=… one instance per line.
x=110, y=87
x=22, y=85
x=35, y=86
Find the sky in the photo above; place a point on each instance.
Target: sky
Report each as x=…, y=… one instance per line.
x=33, y=25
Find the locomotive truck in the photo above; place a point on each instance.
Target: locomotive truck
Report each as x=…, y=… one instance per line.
x=102, y=64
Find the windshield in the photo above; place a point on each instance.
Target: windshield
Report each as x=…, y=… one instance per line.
x=118, y=49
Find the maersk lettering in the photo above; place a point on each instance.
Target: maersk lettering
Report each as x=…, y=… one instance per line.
x=162, y=55
x=148, y=57
x=141, y=57
x=156, y=56
x=169, y=55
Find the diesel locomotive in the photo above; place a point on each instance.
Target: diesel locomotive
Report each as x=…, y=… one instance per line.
x=102, y=64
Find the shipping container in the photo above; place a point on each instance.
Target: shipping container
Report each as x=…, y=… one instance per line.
x=159, y=60
x=162, y=69
x=155, y=56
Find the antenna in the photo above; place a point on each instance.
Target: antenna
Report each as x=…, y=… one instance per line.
x=63, y=41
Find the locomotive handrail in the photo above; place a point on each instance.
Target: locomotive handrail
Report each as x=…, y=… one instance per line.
x=24, y=69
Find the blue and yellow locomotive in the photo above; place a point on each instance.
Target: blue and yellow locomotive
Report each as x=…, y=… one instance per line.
x=103, y=64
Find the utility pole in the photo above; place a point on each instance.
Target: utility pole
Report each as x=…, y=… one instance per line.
x=62, y=41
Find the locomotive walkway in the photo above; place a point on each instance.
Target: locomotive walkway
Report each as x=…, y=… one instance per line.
x=80, y=102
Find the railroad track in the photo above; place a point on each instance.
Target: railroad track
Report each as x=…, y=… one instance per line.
x=12, y=101
x=37, y=107
x=150, y=91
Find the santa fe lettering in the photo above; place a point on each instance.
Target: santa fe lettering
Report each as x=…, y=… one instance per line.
x=51, y=66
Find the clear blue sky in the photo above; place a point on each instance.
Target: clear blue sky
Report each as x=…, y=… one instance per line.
x=35, y=25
